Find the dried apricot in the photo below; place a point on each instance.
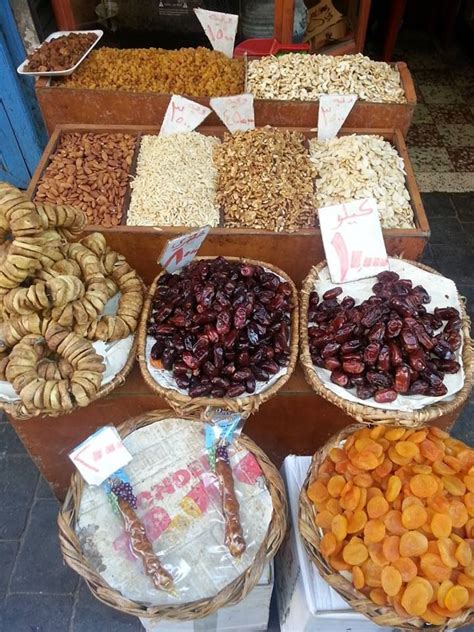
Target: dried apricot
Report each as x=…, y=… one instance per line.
x=466, y=457
x=397, y=458
x=447, y=551
x=338, y=563
x=358, y=578
x=408, y=501
x=407, y=449
x=414, y=516
x=453, y=462
x=374, y=531
x=416, y=436
x=394, y=486
x=363, y=480
x=430, y=451
x=365, y=460
x=433, y=567
x=376, y=432
x=391, y=547
x=377, y=507
x=430, y=616
x=407, y=567
x=422, y=468
x=362, y=499
x=463, y=554
x=328, y=544
x=326, y=467
x=324, y=519
x=454, y=485
x=442, y=591
x=378, y=596
x=355, y=553
x=374, y=491
x=393, y=522
x=337, y=455
x=376, y=553
x=413, y=543
x=465, y=580
x=372, y=573
x=384, y=469
x=441, y=525
x=439, y=503
x=458, y=514
x=442, y=469
x=391, y=580
x=357, y=522
x=469, y=482
x=366, y=444
x=350, y=498
x=395, y=434
x=339, y=527
x=317, y=492
x=335, y=485
x=456, y=598
x=332, y=505
x=415, y=598
x=423, y=485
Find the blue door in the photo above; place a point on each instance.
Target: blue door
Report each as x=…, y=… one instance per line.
x=22, y=135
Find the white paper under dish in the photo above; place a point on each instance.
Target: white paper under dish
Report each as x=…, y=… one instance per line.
x=59, y=73
x=443, y=293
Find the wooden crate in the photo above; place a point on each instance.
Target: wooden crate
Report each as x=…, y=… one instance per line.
x=101, y=107
x=293, y=252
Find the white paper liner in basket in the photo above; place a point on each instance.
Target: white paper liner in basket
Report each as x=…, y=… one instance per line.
x=114, y=354
x=443, y=293
x=179, y=503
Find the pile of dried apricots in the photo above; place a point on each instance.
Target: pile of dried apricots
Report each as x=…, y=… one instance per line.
x=396, y=507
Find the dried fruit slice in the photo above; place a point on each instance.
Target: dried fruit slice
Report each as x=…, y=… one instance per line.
x=441, y=525
x=456, y=598
x=423, y=485
x=391, y=580
x=463, y=554
x=339, y=527
x=355, y=553
x=377, y=507
x=317, y=492
x=378, y=596
x=447, y=550
x=393, y=522
x=328, y=544
x=324, y=519
x=391, y=547
x=376, y=553
x=416, y=597
x=358, y=578
x=394, y=486
x=442, y=592
x=407, y=449
x=407, y=567
x=374, y=531
x=414, y=516
x=357, y=522
x=433, y=567
x=413, y=543
x=454, y=485
x=335, y=485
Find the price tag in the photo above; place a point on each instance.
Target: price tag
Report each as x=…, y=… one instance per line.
x=235, y=112
x=353, y=241
x=99, y=456
x=183, y=115
x=220, y=28
x=333, y=111
x=180, y=251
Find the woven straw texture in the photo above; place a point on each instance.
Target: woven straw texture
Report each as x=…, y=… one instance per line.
x=15, y=408
x=230, y=595
x=369, y=414
x=311, y=535
x=183, y=404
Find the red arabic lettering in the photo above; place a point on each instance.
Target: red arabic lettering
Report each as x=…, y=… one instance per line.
x=340, y=247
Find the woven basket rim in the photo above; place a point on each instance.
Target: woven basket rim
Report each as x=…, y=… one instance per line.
x=230, y=594
x=14, y=408
x=311, y=536
x=246, y=405
x=368, y=414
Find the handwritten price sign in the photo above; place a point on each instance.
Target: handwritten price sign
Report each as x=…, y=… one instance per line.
x=333, y=111
x=220, y=28
x=99, y=456
x=353, y=241
x=235, y=112
x=183, y=115
x=180, y=251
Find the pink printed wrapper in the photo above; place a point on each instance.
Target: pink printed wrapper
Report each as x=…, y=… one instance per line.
x=179, y=504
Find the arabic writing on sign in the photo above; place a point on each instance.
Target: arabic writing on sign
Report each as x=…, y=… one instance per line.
x=180, y=251
x=220, y=28
x=353, y=240
x=333, y=111
x=235, y=112
x=182, y=115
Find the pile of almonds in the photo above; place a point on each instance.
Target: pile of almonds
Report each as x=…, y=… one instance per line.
x=89, y=171
x=396, y=507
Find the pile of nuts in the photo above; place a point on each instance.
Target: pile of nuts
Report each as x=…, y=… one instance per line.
x=175, y=182
x=196, y=72
x=388, y=344
x=265, y=180
x=89, y=171
x=358, y=166
x=397, y=510
x=61, y=53
x=307, y=77
x=221, y=327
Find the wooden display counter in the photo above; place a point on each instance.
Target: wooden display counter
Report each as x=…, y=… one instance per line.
x=80, y=105
x=294, y=252
x=295, y=421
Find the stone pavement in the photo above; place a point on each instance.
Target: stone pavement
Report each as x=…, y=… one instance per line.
x=38, y=593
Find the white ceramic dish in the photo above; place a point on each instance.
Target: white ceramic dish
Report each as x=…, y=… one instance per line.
x=60, y=73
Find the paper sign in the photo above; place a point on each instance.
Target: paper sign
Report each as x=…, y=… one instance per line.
x=99, y=456
x=333, y=111
x=220, y=28
x=353, y=241
x=180, y=251
x=235, y=112
x=183, y=115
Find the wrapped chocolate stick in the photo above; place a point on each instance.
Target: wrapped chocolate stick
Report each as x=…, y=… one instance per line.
x=234, y=537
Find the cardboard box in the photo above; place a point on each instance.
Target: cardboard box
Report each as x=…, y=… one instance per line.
x=305, y=601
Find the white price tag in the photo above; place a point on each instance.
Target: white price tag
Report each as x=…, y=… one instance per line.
x=333, y=111
x=99, y=456
x=180, y=251
x=235, y=112
x=220, y=28
x=183, y=115
x=353, y=240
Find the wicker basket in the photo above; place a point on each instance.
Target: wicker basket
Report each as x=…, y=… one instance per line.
x=312, y=535
x=230, y=595
x=247, y=405
x=14, y=409
x=369, y=414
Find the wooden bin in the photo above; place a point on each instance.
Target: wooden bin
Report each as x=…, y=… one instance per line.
x=81, y=105
x=292, y=252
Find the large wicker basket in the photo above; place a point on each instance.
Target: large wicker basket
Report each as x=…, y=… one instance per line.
x=370, y=414
x=244, y=404
x=312, y=535
x=230, y=595
x=15, y=409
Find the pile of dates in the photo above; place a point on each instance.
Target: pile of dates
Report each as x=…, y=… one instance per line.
x=221, y=326
x=389, y=344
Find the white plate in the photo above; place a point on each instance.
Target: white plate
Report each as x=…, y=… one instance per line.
x=59, y=73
